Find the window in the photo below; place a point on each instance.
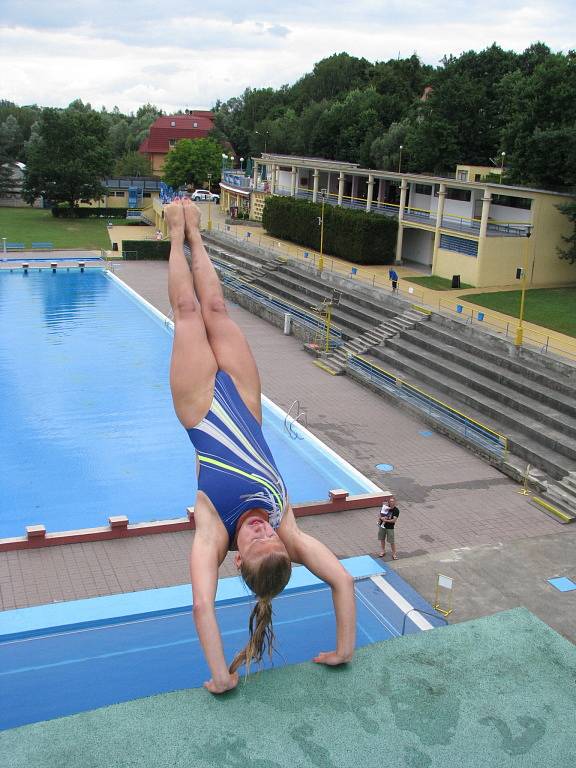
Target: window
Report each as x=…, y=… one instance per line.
x=147, y=194
x=477, y=176
x=171, y=143
x=462, y=175
x=422, y=189
x=458, y=194
x=173, y=123
x=512, y=202
x=195, y=125
x=459, y=245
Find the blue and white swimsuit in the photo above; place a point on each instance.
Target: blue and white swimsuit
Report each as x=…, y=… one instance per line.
x=237, y=470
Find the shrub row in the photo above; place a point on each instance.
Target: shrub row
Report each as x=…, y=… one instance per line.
x=357, y=236
x=89, y=213
x=145, y=249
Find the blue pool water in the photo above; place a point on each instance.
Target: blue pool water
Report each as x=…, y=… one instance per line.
x=87, y=428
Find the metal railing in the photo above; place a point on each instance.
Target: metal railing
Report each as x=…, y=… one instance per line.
x=472, y=431
x=298, y=316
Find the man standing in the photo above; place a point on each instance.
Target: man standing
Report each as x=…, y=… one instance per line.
x=393, y=275
x=386, y=524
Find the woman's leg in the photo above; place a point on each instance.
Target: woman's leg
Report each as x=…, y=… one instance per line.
x=229, y=345
x=193, y=365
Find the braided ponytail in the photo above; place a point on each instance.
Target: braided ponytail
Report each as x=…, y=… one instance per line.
x=266, y=579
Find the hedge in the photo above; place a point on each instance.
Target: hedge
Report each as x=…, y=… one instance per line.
x=88, y=213
x=145, y=249
x=357, y=236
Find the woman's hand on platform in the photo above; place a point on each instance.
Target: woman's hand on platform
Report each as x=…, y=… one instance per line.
x=332, y=658
x=221, y=686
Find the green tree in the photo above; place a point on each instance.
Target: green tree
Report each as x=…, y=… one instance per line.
x=190, y=162
x=10, y=138
x=133, y=164
x=69, y=159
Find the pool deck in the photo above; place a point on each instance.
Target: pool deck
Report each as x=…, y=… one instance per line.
x=459, y=515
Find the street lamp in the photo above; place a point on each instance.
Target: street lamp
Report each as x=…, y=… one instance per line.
x=502, y=156
x=265, y=137
x=524, y=273
x=241, y=163
x=400, y=159
x=209, y=175
x=323, y=193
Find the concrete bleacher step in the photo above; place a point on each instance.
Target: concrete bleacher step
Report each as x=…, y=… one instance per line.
x=500, y=357
x=540, y=386
x=527, y=445
x=435, y=359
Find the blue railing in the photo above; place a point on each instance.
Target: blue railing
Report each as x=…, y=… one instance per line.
x=299, y=316
x=470, y=430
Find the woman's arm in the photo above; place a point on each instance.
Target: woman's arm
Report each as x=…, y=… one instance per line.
x=204, y=561
x=323, y=563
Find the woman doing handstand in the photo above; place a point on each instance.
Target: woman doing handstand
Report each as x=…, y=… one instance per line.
x=242, y=502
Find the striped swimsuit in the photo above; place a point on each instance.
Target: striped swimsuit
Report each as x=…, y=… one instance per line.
x=237, y=470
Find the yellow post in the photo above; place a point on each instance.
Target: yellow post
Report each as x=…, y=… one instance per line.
x=321, y=259
x=520, y=329
x=328, y=319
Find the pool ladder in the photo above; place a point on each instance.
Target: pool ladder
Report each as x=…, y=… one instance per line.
x=290, y=420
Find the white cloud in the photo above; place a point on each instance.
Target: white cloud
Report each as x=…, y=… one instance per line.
x=110, y=53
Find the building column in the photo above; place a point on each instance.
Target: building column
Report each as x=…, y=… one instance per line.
x=370, y=192
x=293, y=182
x=255, y=174
x=315, y=187
x=340, y=187
x=400, y=235
x=486, y=202
x=439, y=215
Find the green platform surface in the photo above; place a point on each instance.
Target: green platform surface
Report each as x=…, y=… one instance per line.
x=496, y=692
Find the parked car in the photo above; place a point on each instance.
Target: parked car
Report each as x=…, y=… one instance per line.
x=204, y=194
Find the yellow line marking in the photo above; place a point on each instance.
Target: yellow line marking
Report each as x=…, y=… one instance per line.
x=552, y=509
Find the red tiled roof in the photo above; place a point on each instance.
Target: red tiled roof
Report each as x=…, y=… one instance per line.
x=193, y=126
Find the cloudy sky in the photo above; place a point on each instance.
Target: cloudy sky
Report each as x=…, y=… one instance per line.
x=188, y=54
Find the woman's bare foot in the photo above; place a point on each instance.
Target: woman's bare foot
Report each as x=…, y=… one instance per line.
x=174, y=217
x=191, y=216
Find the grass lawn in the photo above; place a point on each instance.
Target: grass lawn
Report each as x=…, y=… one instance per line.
x=434, y=283
x=553, y=308
x=32, y=225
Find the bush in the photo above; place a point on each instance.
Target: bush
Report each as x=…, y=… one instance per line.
x=145, y=249
x=357, y=236
x=65, y=212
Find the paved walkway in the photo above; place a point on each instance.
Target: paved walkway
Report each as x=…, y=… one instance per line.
x=449, y=499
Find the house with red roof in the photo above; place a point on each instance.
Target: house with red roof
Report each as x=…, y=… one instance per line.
x=168, y=129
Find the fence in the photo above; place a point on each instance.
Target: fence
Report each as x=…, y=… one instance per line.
x=471, y=431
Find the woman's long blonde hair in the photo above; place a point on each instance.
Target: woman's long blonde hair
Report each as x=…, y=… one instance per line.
x=266, y=579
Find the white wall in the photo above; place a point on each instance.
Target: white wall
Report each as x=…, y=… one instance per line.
x=417, y=246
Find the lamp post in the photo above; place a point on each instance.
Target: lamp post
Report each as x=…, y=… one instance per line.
x=241, y=163
x=502, y=156
x=323, y=193
x=400, y=160
x=209, y=175
x=520, y=330
x=265, y=138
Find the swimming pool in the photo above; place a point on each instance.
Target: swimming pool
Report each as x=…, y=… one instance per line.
x=72, y=657
x=87, y=428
